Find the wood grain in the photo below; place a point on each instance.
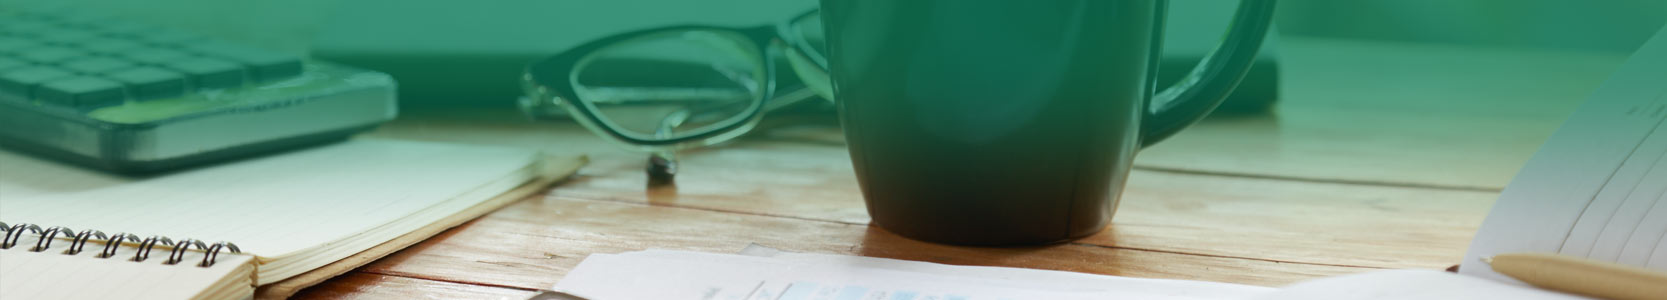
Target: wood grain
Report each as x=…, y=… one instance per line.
x=1277, y=220
x=359, y=285
x=531, y=244
x=1396, y=113
x=1379, y=155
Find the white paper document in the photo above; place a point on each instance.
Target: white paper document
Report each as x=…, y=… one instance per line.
x=1410, y=285
x=674, y=275
x=772, y=275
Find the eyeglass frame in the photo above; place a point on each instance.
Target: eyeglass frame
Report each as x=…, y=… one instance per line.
x=770, y=42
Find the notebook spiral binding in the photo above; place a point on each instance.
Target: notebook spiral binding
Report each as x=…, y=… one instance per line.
x=112, y=243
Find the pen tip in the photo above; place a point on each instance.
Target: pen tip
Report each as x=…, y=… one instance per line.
x=1487, y=260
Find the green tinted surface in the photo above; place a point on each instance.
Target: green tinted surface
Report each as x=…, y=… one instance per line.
x=326, y=78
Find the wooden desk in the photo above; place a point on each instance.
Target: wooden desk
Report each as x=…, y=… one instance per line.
x=1379, y=156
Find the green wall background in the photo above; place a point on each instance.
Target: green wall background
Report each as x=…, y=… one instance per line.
x=1603, y=25
x=1607, y=25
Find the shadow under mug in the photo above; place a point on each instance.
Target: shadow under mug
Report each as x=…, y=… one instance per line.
x=998, y=122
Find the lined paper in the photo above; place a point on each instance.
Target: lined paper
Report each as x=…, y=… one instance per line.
x=1598, y=188
x=1609, y=222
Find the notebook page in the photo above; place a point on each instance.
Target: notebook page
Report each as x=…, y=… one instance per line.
x=1590, y=188
x=270, y=206
x=1642, y=219
x=53, y=275
x=1617, y=212
x=1650, y=240
x=1658, y=256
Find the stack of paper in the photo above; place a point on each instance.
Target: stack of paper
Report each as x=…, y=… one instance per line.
x=772, y=275
x=660, y=274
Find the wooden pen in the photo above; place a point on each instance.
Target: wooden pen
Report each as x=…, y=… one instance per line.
x=1582, y=276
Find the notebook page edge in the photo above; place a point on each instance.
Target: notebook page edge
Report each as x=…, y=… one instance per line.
x=278, y=268
x=1539, y=208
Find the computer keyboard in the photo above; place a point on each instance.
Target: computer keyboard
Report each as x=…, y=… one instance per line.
x=126, y=96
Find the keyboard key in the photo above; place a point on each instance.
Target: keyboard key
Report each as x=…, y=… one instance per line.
x=81, y=91
x=96, y=65
x=6, y=64
x=209, y=73
x=81, y=55
x=164, y=37
x=264, y=65
x=150, y=82
x=21, y=81
x=50, y=54
x=109, y=46
x=64, y=36
x=45, y=13
x=26, y=27
x=122, y=29
x=82, y=20
x=15, y=45
x=155, y=56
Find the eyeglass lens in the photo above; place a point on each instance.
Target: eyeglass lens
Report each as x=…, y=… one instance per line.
x=671, y=84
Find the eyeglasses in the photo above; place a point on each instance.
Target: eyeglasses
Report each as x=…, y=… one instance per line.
x=665, y=89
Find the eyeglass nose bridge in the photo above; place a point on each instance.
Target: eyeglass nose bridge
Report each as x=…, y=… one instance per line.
x=539, y=103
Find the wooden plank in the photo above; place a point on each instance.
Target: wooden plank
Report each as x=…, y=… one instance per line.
x=532, y=244
x=1396, y=113
x=1389, y=227
x=1355, y=146
x=360, y=285
x=1339, y=176
x=1279, y=220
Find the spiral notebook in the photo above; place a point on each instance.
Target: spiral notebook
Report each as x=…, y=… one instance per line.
x=218, y=232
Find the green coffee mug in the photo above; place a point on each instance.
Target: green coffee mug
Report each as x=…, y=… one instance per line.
x=999, y=122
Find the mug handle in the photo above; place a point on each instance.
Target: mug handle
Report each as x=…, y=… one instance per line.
x=1195, y=95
